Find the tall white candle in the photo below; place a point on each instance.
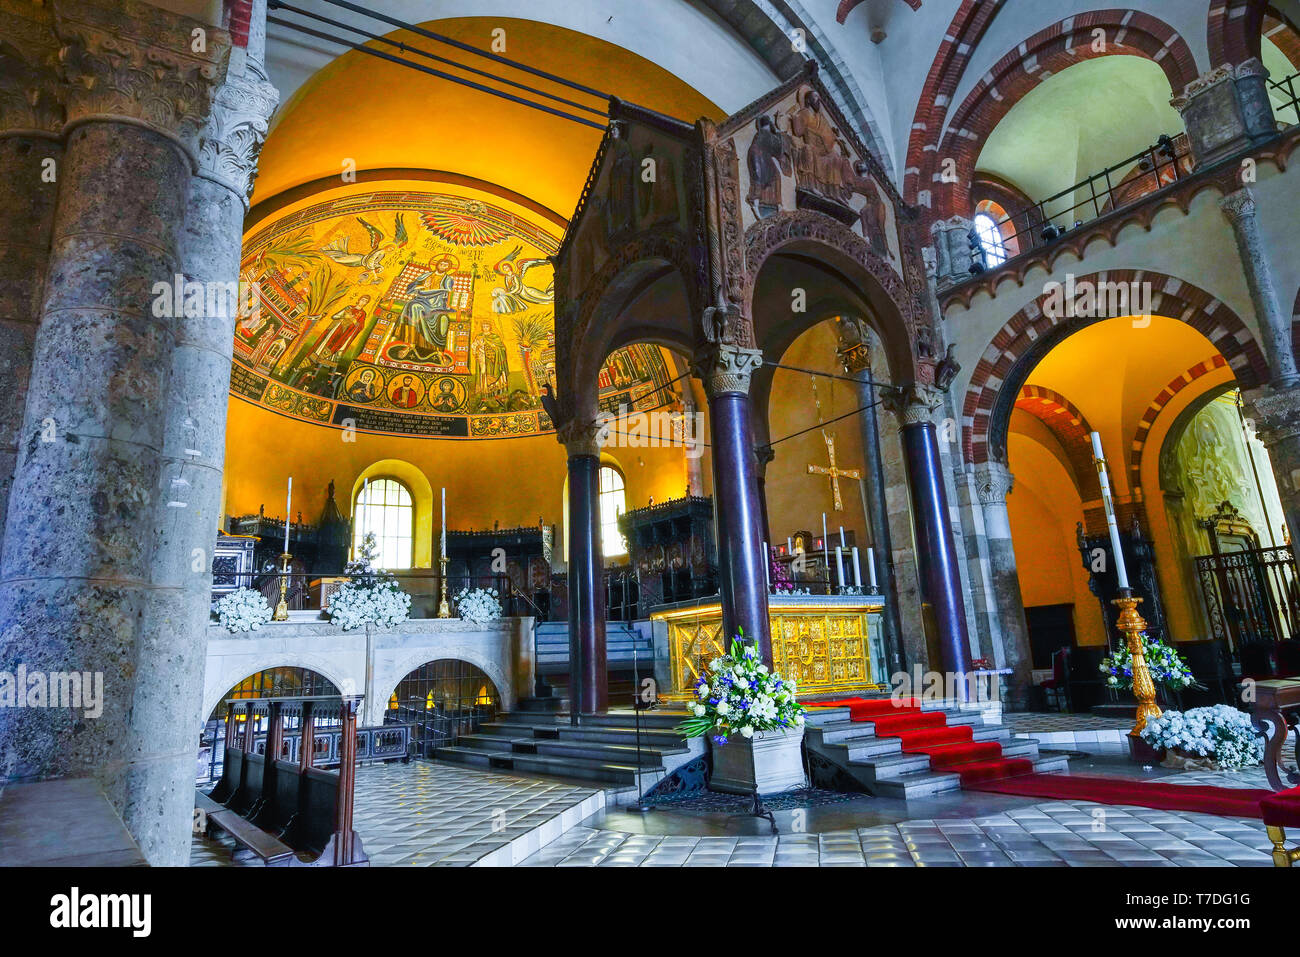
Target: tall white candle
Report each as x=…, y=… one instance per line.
x=442, y=541
x=826, y=549
x=789, y=545
x=288, y=510
x=839, y=566
x=1121, y=573
x=767, y=567
x=842, y=542
x=871, y=565
x=857, y=569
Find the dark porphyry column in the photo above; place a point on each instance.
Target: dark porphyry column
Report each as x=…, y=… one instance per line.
x=737, y=508
x=935, y=548
x=76, y=575
x=588, y=676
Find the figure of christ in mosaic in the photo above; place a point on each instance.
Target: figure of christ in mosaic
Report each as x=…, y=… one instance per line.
x=421, y=332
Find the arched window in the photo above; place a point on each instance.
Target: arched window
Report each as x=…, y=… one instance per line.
x=384, y=507
x=990, y=237
x=613, y=503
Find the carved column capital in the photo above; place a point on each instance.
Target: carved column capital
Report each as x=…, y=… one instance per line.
x=764, y=455
x=993, y=483
x=31, y=92
x=727, y=368
x=914, y=404
x=582, y=438
x=136, y=63
x=1238, y=206
x=1274, y=414
x=854, y=350
x=232, y=137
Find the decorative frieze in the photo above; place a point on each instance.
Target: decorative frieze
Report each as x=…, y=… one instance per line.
x=31, y=97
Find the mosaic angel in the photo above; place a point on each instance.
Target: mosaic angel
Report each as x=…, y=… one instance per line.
x=515, y=294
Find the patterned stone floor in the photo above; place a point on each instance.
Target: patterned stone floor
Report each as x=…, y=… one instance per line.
x=425, y=814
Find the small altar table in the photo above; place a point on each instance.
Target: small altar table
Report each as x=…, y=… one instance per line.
x=830, y=644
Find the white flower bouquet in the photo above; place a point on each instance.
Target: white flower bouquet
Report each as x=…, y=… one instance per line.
x=740, y=695
x=244, y=609
x=478, y=605
x=369, y=595
x=1165, y=665
x=1221, y=734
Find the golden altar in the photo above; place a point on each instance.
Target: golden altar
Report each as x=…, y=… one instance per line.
x=830, y=644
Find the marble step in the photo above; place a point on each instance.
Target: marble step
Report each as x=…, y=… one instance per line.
x=564, y=732
x=615, y=753
x=604, y=772
x=868, y=745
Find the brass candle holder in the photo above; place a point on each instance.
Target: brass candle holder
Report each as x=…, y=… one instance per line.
x=1131, y=625
x=282, y=609
x=444, y=610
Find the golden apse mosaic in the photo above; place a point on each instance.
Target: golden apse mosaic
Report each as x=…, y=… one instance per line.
x=414, y=313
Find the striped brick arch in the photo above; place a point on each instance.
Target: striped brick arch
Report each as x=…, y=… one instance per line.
x=1062, y=45
x=1143, y=431
x=1282, y=33
x=847, y=6
x=1030, y=334
x=1071, y=429
x=1233, y=30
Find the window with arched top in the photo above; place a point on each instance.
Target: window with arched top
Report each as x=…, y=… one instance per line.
x=384, y=507
x=613, y=503
x=996, y=233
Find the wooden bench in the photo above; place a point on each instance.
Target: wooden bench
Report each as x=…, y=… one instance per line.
x=287, y=814
x=1282, y=810
x=1275, y=711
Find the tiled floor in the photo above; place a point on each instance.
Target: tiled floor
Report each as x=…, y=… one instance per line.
x=1050, y=834
x=425, y=814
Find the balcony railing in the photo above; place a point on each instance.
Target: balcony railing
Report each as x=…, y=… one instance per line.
x=1285, y=94
x=1164, y=162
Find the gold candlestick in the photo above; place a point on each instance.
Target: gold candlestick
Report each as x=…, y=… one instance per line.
x=1131, y=625
x=444, y=611
x=282, y=609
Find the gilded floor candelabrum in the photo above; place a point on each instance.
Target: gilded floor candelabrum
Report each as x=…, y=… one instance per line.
x=282, y=609
x=444, y=611
x=1131, y=625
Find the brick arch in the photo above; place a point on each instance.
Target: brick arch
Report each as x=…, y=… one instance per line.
x=1234, y=29
x=1063, y=418
x=1162, y=399
x=1283, y=34
x=847, y=6
x=960, y=40
x=1048, y=51
x=1020, y=344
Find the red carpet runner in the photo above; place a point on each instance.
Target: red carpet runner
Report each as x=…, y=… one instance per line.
x=982, y=767
x=951, y=749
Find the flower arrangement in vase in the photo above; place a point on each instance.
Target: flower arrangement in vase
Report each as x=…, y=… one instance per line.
x=370, y=595
x=244, y=609
x=478, y=605
x=1217, y=738
x=1167, y=667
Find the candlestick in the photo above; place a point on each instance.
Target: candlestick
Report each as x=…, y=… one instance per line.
x=839, y=566
x=282, y=609
x=871, y=565
x=1099, y=460
x=857, y=569
x=288, y=510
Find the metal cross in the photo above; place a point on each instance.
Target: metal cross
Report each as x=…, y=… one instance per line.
x=834, y=472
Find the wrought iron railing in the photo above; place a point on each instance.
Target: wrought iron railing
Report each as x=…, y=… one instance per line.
x=1164, y=162
x=1286, y=99
x=1252, y=597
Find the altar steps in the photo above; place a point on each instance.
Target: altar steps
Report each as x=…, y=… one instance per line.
x=600, y=748
x=957, y=743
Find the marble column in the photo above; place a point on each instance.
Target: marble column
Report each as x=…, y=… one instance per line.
x=935, y=548
x=31, y=151
x=855, y=357
x=993, y=483
x=76, y=573
x=1275, y=324
x=1226, y=111
x=737, y=508
x=1275, y=414
x=588, y=675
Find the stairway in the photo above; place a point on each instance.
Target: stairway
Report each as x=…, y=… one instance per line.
x=601, y=748
x=911, y=749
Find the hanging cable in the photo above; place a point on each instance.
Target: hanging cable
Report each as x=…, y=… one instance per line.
x=822, y=425
x=378, y=38
x=459, y=45
x=874, y=383
x=320, y=35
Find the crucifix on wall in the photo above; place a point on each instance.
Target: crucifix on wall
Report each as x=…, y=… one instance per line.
x=834, y=471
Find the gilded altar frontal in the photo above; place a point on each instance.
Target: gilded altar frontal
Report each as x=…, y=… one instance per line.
x=677, y=433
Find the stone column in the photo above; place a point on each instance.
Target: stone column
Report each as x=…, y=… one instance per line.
x=726, y=371
x=1275, y=414
x=855, y=356
x=935, y=549
x=31, y=151
x=952, y=250
x=588, y=676
x=76, y=575
x=993, y=483
x=692, y=433
x=1226, y=111
x=1275, y=324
